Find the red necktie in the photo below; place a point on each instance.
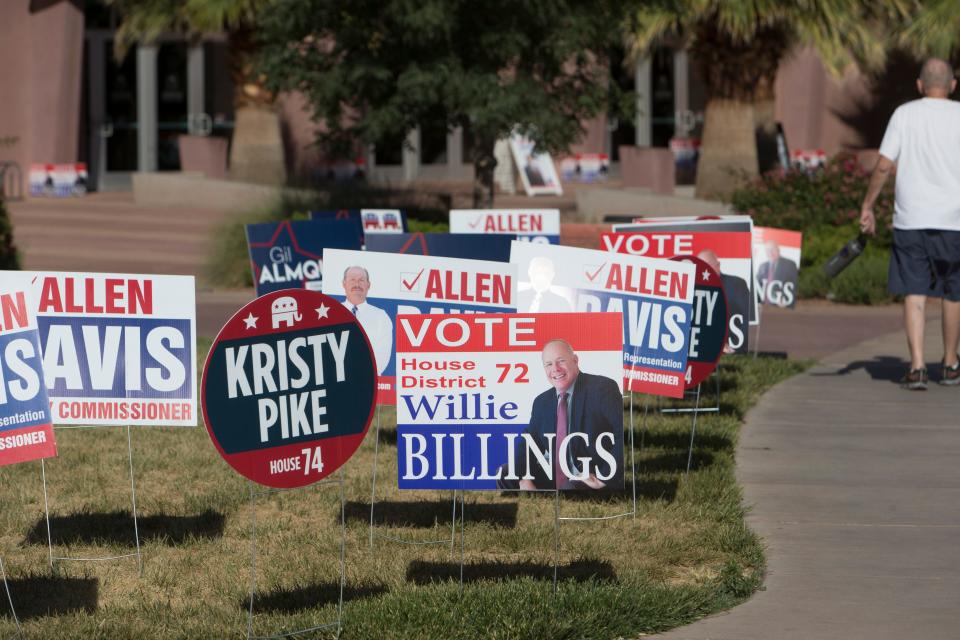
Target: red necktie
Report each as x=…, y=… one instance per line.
x=560, y=478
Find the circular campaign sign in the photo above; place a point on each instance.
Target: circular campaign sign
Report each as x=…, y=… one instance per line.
x=288, y=388
x=708, y=329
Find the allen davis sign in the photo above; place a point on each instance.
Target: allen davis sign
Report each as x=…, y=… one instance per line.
x=510, y=401
x=118, y=349
x=288, y=388
x=526, y=225
x=25, y=429
x=654, y=296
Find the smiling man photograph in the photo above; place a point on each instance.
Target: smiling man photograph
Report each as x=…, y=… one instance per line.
x=585, y=408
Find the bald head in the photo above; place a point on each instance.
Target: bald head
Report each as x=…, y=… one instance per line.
x=710, y=258
x=936, y=79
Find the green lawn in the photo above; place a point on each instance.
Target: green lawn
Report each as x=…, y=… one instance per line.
x=688, y=552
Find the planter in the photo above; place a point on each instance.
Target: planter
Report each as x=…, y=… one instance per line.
x=204, y=154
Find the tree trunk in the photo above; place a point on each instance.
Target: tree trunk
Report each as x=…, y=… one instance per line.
x=484, y=163
x=728, y=151
x=256, y=152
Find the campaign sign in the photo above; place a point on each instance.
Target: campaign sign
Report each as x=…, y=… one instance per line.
x=371, y=221
x=26, y=432
x=776, y=258
x=479, y=401
x=118, y=349
x=726, y=251
x=731, y=266
x=58, y=180
x=288, y=388
x=708, y=331
x=377, y=287
x=654, y=296
x=537, y=173
x=528, y=225
x=470, y=246
x=289, y=254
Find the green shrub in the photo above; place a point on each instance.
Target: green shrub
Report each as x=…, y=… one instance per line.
x=825, y=206
x=9, y=256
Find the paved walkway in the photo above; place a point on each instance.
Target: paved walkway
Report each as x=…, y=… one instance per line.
x=854, y=487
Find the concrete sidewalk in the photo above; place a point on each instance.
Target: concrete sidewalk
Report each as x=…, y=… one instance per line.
x=854, y=488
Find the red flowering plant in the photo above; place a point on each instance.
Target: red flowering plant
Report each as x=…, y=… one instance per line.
x=824, y=204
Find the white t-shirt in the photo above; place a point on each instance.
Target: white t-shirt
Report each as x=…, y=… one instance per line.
x=923, y=138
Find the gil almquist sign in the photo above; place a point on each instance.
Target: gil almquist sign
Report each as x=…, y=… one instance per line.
x=510, y=401
x=288, y=388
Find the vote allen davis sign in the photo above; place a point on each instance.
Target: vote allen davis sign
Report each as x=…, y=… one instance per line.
x=25, y=429
x=288, y=388
x=479, y=401
x=118, y=349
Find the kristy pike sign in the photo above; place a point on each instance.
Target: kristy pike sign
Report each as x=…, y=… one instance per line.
x=25, y=429
x=118, y=349
x=479, y=401
x=288, y=388
x=526, y=225
x=378, y=286
x=654, y=296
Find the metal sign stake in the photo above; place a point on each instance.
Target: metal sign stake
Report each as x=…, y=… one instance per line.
x=338, y=624
x=133, y=500
x=693, y=430
x=13, y=612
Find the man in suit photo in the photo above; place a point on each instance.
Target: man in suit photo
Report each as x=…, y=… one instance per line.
x=775, y=269
x=584, y=409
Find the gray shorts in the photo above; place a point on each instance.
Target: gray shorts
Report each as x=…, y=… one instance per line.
x=925, y=262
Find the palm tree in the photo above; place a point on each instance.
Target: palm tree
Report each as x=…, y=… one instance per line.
x=739, y=44
x=935, y=30
x=146, y=20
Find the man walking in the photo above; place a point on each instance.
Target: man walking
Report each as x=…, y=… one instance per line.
x=923, y=139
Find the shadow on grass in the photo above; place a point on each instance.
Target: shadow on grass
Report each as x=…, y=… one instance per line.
x=676, y=462
x=36, y=597
x=422, y=572
x=646, y=490
x=116, y=527
x=388, y=437
x=883, y=368
x=425, y=515
x=674, y=440
x=311, y=596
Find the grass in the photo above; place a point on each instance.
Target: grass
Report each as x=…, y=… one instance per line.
x=688, y=553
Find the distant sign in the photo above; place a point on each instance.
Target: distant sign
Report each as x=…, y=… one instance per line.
x=58, y=180
x=118, y=349
x=528, y=225
x=654, y=296
x=776, y=260
x=379, y=286
x=26, y=432
x=372, y=221
x=519, y=401
x=469, y=246
x=289, y=254
x=537, y=172
x=288, y=388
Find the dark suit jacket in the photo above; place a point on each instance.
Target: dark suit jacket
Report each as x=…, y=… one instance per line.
x=738, y=303
x=783, y=271
x=597, y=408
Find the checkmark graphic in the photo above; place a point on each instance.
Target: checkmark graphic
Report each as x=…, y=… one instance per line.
x=593, y=276
x=409, y=285
x=475, y=223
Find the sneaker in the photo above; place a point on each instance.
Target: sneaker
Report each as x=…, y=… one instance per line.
x=950, y=376
x=915, y=380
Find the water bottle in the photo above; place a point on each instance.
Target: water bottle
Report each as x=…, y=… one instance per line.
x=845, y=256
